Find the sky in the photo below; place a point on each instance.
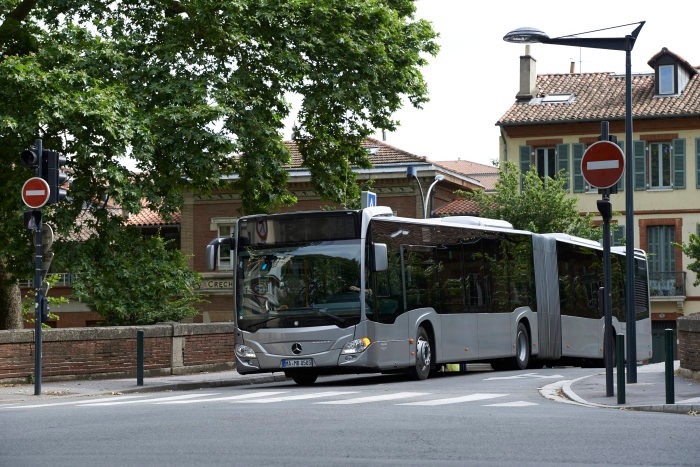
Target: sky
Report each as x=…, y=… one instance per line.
x=474, y=78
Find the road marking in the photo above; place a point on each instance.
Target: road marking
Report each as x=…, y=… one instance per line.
x=145, y=401
x=524, y=376
x=298, y=397
x=53, y=404
x=512, y=404
x=456, y=400
x=226, y=398
x=383, y=397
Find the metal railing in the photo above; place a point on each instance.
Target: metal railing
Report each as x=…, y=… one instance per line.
x=65, y=279
x=667, y=284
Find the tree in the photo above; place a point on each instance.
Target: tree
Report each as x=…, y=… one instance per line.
x=542, y=205
x=192, y=92
x=131, y=280
x=692, y=251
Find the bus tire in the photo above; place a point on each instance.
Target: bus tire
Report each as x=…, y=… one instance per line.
x=302, y=378
x=522, y=347
x=424, y=355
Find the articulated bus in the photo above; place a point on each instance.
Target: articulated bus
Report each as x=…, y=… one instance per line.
x=355, y=291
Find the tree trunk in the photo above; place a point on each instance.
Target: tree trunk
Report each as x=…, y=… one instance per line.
x=10, y=301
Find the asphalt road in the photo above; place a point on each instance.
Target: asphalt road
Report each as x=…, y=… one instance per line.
x=477, y=418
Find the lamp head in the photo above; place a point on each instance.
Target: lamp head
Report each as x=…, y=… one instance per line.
x=526, y=35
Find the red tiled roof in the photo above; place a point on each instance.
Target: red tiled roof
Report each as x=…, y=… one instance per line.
x=458, y=207
x=150, y=218
x=601, y=96
x=487, y=175
x=379, y=153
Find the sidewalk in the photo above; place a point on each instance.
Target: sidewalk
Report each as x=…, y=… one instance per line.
x=649, y=393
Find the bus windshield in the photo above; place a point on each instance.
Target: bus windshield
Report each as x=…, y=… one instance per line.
x=300, y=285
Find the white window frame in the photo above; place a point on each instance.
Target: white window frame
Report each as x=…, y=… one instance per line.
x=667, y=81
x=664, y=165
x=224, y=227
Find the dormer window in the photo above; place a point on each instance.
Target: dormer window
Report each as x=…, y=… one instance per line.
x=667, y=81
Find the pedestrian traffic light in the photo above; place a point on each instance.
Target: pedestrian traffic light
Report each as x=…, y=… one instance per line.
x=52, y=161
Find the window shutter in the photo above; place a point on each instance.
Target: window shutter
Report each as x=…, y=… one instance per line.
x=621, y=182
x=697, y=162
x=579, y=182
x=679, y=163
x=563, y=163
x=640, y=169
x=525, y=162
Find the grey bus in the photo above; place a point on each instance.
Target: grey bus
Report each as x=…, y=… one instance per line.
x=353, y=291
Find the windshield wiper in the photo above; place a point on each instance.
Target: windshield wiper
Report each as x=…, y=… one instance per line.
x=324, y=311
x=254, y=326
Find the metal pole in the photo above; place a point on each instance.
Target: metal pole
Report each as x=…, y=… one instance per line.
x=629, y=219
x=605, y=209
x=39, y=294
x=670, y=388
x=139, y=357
x=620, y=351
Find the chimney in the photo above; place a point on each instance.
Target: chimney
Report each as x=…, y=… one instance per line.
x=528, y=76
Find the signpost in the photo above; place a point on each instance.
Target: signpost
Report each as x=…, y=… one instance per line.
x=602, y=166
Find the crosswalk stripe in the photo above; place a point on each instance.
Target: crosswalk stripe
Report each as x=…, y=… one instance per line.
x=513, y=404
x=297, y=397
x=226, y=398
x=53, y=404
x=145, y=401
x=383, y=397
x=456, y=400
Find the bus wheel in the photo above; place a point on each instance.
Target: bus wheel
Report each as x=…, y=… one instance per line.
x=424, y=355
x=302, y=378
x=522, y=347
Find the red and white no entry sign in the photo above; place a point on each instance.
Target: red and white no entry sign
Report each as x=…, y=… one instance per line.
x=602, y=164
x=35, y=192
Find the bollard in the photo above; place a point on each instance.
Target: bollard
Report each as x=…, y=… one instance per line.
x=670, y=390
x=620, y=351
x=139, y=357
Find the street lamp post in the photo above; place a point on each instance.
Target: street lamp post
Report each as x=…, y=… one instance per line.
x=411, y=172
x=529, y=35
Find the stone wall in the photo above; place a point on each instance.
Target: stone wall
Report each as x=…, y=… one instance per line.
x=110, y=352
x=689, y=345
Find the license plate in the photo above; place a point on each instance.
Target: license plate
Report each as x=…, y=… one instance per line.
x=297, y=363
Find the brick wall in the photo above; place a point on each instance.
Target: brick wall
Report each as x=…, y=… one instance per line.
x=81, y=353
x=689, y=342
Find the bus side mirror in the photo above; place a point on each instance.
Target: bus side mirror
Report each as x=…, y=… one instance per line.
x=211, y=253
x=381, y=259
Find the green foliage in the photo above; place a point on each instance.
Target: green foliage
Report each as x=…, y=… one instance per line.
x=131, y=280
x=192, y=92
x=692, y=251
x=542, y=206
x=29, y=303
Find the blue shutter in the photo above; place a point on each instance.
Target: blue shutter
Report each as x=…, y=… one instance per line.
x=525, y=162
x=679, y=163
x=563, y=163
x=579, y=182
x=640, y=162
x=621, y=183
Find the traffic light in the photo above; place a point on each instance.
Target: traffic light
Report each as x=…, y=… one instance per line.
x=31, y=158
x=51, y=162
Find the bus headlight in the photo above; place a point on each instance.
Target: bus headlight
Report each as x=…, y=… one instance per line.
x=243, y=351
x=356, y=346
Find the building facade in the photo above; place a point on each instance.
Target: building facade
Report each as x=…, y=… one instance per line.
x=555, y=117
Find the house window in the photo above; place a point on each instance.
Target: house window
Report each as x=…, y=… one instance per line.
x=660, y=169
x=667, y=79
x=617, y=234
x=545, y=161
x=661, y=259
